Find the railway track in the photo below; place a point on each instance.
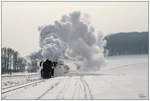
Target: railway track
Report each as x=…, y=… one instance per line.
x=19, y=84
x=16, y=80
x=14, y=88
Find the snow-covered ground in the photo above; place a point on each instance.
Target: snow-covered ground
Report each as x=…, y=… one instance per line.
x=124, y=77
x=18, y=78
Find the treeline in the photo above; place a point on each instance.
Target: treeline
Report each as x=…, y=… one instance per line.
x=127, y=43
x=11, y=61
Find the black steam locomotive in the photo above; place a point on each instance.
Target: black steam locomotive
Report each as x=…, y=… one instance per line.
x=47, y=70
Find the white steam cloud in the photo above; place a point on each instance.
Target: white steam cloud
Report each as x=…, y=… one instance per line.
x=73, y=36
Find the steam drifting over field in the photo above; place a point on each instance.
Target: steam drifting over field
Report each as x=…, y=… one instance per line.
x=72, y=36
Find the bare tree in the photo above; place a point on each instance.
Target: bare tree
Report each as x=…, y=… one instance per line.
x=11, y=61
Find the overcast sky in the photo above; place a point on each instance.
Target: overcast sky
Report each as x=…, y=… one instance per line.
x=20, y=20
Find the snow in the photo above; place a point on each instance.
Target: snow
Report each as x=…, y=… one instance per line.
x=124, y=77
x=18, y=78
x=18, y=74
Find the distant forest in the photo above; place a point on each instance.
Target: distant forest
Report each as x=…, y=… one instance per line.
x=127, y=43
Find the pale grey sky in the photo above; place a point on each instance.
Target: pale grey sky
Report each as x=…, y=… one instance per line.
x=20, y=20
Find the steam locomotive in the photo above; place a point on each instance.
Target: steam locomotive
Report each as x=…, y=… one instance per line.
x=46, y=73
x=47, y=70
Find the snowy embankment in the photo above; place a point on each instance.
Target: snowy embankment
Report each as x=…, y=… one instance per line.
x=18, y=78
x=124, y=77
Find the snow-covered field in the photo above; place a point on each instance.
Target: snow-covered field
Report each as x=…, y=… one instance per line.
x=124, y=77
x=18, y=78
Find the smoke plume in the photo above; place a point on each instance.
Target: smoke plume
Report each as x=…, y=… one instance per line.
x=72, y=36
